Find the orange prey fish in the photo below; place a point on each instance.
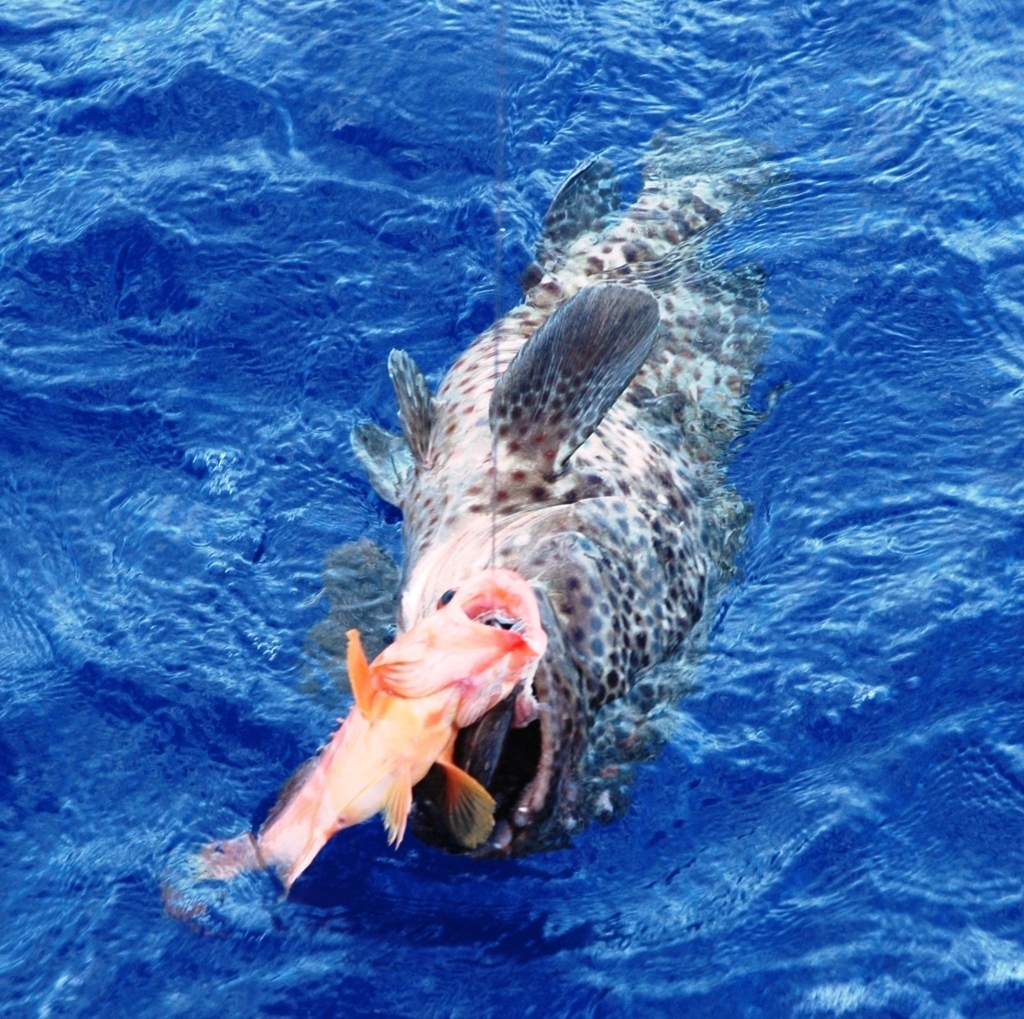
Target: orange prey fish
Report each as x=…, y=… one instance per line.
x=441, y=676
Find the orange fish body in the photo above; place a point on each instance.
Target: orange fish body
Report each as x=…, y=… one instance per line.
x=442, y=675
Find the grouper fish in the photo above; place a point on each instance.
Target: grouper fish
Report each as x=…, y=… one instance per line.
x=577, y=446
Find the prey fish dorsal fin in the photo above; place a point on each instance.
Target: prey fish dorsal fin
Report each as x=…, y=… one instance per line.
x=397, y=803
x=359, y=674
x=415, y=404
x=468, y=806
x=386, y=458
x=569, y=373
x=587, y=197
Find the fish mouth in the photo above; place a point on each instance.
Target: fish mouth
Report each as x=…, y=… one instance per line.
x=528, y=770
x=515, y=769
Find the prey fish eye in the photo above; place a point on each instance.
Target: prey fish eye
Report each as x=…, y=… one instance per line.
x=445, y=598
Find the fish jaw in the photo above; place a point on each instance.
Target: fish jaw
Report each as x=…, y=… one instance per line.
x=369, y=766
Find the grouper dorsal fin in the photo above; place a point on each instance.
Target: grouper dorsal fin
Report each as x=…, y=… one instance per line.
x=569, y=373
x=415, y=404
x=587, y=197
x=386, y=458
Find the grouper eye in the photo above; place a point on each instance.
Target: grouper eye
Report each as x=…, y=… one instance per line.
x=445, y=598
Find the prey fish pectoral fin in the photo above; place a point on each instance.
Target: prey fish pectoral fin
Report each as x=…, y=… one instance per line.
x=468, y=806
x=566, y=377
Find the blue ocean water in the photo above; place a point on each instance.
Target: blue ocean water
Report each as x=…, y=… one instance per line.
x=217, y=217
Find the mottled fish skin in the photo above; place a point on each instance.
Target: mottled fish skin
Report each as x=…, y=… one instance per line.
x=620, y=536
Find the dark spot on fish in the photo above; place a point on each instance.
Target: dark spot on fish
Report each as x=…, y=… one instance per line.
x=573, y=583
x=597, y=646
x=477, y=508
x=519, y=475
x=613, y=679
x=587, y=601
x=579, y=635
x=538, y=493
x=501, y=495
x=514, y=447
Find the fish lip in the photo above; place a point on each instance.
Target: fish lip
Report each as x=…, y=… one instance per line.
x=538, y=819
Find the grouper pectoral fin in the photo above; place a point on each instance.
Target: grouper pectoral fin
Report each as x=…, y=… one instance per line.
x=588, y=196
x=386, y=458
x=566, y=377
x=415, y=404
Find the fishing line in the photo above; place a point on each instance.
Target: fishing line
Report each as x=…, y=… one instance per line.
x=499, y=190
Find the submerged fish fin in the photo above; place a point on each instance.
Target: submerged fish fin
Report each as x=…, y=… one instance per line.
x=587, y=197
x=361, y=583
x=223, y=860
x=415, y=404
x=569, y=373
x=397, y=803
x=468, y=806
x=359, y=674
x=386, y=458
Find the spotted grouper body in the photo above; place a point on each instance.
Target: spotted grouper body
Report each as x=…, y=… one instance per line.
x=578, y=441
